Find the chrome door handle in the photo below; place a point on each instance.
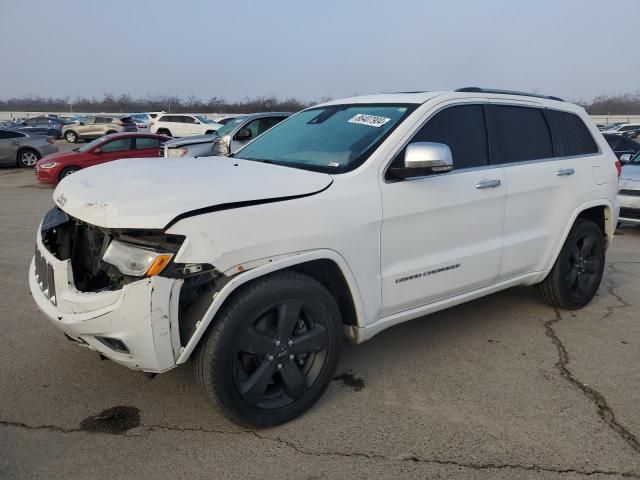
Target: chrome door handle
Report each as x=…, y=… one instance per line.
x=488, y=184
x=563, y=172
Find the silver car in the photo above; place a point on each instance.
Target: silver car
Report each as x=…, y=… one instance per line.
x=23, y=149
x=96, y=127
x=629, y=193
x=228, y=139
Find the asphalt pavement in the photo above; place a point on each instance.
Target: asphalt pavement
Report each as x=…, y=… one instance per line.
x=503, y=387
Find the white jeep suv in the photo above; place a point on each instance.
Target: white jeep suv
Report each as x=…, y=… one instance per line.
x=343, y=220
x=182, y=125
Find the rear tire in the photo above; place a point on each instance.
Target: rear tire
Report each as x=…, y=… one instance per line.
x=27, y=158
x=272, y=350
x=576, y=275
x=71, y=136
x=67, y=171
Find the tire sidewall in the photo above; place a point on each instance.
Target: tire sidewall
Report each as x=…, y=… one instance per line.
x=580, y=229
x=67, y=171
x=235, y=321
x=71, y=133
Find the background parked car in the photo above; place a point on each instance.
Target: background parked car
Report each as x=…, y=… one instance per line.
x=621, y=145
x=623, y=127
x=629, y=193
x=54, y=168
x=96, y=127
x=183, y=125
x=229, y=138
x=24, y=149
x=43, y=125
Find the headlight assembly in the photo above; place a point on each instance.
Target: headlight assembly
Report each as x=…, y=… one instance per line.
x=46, y=165
x=135, y=261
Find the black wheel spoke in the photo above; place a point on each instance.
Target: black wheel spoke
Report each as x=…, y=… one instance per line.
x=295, y=383
x=255, y=342
x=315, y=339
x=254, y=387
x=288, y=315
x=591, y=265
x=574, y=253
x=572, y=276
x=584, y=283
x=587, y=246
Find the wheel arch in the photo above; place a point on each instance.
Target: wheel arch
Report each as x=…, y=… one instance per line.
x=601, y=212
x=326, y=266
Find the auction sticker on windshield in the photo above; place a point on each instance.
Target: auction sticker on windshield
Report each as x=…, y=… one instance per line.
x=370, y=120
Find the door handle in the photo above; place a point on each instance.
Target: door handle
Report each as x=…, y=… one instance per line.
x=563, y=172
x=488, y=184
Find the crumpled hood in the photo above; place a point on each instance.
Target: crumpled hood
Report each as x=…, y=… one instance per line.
x=181, y=142
x=151, y=192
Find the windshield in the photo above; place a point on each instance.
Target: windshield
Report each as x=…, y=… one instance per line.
x=204, y=119
x=89, y=146
x=333, y=139
x=227, y=127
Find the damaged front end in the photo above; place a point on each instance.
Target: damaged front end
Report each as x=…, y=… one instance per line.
x=119, y=291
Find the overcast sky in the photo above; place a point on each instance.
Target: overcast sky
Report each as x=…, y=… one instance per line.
x=571, y=48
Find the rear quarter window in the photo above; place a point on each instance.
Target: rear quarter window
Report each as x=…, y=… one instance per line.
x=570, y=135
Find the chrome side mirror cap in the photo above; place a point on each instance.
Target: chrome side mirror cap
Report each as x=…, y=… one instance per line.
x=626, y=158
x=428, y=155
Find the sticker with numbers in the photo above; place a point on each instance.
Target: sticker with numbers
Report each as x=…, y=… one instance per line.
x=369, y=120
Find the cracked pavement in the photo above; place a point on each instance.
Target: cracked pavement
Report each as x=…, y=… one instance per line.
x=502, y=387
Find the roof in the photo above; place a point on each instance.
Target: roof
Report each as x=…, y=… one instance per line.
x=420, y=97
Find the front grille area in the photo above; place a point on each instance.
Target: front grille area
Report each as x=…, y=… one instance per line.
x=83, y=244
x=630, y=213
x=633, y=193
x=45, y=278
x=67, y=238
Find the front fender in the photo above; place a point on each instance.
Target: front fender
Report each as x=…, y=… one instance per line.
x=265, y=267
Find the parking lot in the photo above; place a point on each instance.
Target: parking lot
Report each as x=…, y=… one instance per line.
x=502, y=387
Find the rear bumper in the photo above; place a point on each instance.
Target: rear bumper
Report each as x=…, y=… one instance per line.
x=629, y=208
x=142, y=315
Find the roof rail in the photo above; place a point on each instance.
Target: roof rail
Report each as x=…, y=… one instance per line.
x=507, y=92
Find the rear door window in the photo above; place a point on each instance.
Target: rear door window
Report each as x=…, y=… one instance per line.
x=518, y=134
x=570, y=134
x=145, y=142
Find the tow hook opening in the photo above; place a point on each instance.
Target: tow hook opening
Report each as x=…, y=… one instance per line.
x=114, y=344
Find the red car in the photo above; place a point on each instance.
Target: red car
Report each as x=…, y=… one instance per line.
x=53, y=168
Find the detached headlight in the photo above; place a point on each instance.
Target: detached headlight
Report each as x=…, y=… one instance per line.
x=46, y=165
x=135, y=261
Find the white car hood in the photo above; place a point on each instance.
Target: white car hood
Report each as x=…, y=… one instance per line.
x=151, y=192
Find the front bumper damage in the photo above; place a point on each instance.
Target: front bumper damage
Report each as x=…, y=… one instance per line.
x=135, y=325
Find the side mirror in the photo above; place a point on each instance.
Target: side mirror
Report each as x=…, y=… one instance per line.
x=424, y=158
x=626, y=158
x=97, y=150
x=243, y=134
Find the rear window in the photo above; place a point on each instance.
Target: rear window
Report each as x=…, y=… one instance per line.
x=518, y=134
x=570, y=134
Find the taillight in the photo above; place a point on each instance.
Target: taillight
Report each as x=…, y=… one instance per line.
x=619, y=167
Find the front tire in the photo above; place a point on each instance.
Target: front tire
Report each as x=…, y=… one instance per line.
x=27, y=158
x=71, y=136
x=272, y=351
x=67, y=171
x=577, y=272
x=164, y=131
